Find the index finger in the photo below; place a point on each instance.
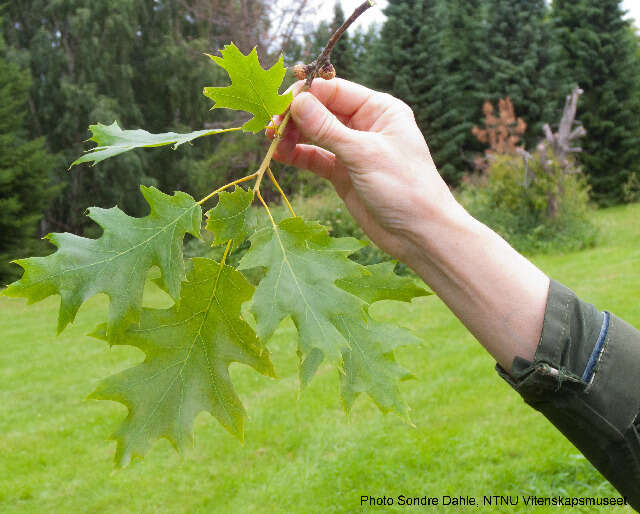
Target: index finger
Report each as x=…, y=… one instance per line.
x=341, y=96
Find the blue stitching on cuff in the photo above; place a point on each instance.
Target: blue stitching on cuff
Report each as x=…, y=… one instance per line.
x=597, y=350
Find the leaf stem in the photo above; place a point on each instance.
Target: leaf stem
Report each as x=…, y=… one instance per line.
x=264, y=204
x=284, y=197
x=226, y=252
x=243, y=179
x=272, y=148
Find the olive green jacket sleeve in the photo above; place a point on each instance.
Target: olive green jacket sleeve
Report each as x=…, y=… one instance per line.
x=585, y=378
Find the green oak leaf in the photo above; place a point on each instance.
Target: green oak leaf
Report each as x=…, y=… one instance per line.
x=116, y=263
x=302, y=264
x=112, y=141
x=253, y=89
x=370, y=366
x=307, y=274
x=231, y=218
x=378, y=282
x=188, y=350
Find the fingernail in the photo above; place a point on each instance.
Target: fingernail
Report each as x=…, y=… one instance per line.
x=304, y=107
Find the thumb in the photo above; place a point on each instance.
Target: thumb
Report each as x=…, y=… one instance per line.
x=320, y=126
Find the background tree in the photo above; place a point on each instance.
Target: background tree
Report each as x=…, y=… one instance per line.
x=24, y=182
x=599, y=54
x=460, y=92
x=363, y=41
x=343, y=55
x=519, y=64
x=406, y=62
x=139, y=62
x=84, y=53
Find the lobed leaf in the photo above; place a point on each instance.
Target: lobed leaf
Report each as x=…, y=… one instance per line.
x=116, y=263
x=370, y=366
x=310, y=278
x=302, y=264
x=253, y=89
x=112, y=141
x=188, y=350
x=378, y=282
x=231, y=218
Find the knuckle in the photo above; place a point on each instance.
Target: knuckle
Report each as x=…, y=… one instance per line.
x=326, y=129
x=404, y=108
x=386, y=98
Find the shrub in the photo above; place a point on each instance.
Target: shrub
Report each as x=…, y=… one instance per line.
x=535, y=207
x=631, y=189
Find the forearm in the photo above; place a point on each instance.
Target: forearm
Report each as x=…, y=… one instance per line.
x=498, y=294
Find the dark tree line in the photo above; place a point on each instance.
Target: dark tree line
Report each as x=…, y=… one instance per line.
x=448, y=56
x=67, y=64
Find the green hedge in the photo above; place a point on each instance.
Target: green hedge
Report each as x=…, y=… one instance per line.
x=539, y=209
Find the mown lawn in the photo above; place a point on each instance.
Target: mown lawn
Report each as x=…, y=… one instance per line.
x=473, y=435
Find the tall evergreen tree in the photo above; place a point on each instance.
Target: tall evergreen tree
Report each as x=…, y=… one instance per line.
x=84, y=54
x=462, y=89
x=599, y=53
x=343, y=54
x=519, y=64
x=25, y=188
x=406, y=62
x=363, y=41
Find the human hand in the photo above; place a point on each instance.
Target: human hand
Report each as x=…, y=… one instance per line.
x=369, y=146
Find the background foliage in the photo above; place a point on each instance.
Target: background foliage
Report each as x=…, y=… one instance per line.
x=521, y=213
x=140, y=62
x=25, y=164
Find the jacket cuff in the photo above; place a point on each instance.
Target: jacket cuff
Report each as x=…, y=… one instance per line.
x=585, y=380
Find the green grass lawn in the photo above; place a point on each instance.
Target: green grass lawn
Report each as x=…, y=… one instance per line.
x=473, y=435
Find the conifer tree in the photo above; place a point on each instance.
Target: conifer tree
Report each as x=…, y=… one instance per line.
x=459, y=95
x=138, y=61
x=24, y=165
x=406, y=62
x=343, y=56
x=599, y=53
x=363, y=42
x=519, y=62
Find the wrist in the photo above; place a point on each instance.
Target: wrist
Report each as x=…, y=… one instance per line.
x=497, y=293
x=439, y=224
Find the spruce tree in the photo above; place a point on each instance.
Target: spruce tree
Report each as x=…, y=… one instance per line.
x=519, y=64
x=406, y=62
x=599, y=53
x=459, y=95
x=25, y=189
x=363, y=42
x=84, y=55
x=343, y=55
x=139, y=62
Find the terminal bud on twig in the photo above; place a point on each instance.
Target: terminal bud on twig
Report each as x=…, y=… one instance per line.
x=302, y=71
x=327, y=72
